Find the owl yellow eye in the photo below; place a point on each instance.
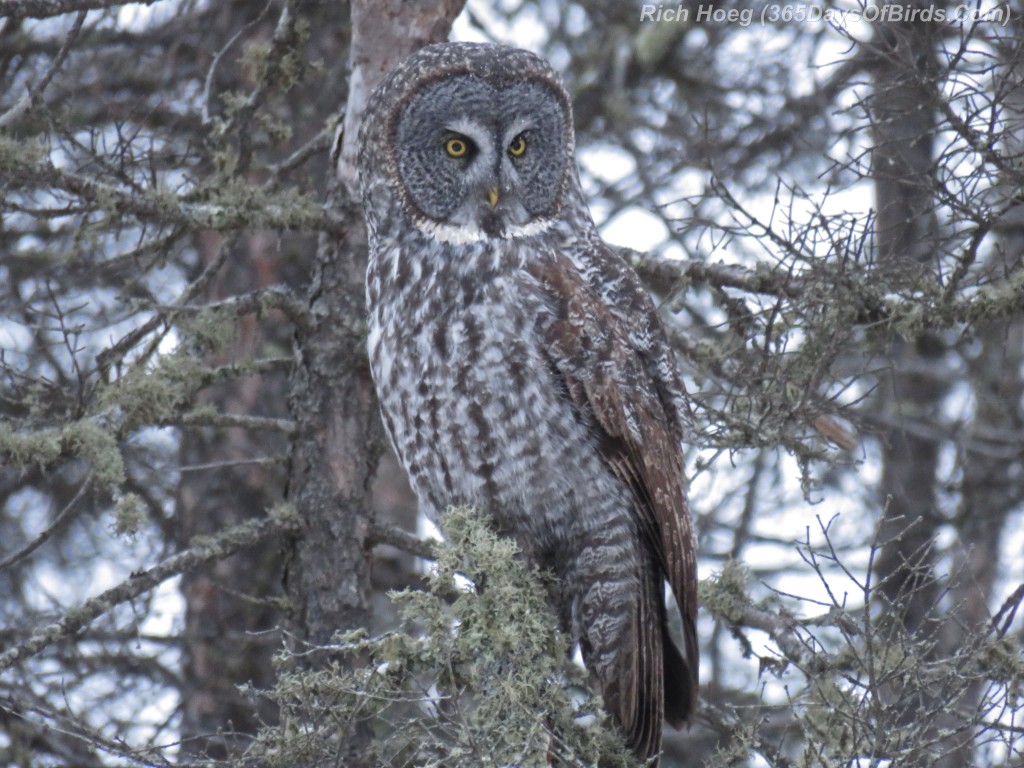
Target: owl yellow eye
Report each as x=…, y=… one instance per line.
x=456, y=147
x=518, y=146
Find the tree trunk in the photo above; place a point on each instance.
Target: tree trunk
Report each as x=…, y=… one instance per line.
x=991, y=485
x=232, y=606
x=227, y=612
x=340, y=438
x=908, y=252
x=907, y=246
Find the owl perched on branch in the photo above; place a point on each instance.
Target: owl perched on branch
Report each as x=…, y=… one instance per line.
x=522, y=368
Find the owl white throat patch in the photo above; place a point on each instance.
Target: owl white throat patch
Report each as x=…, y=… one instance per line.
x=467, y=234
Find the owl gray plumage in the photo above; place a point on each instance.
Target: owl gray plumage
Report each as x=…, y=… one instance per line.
x=520, y=365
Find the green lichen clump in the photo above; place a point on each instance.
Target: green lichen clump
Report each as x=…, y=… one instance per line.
x=97, y=444
x=477, y=675
x=129, y=514
x=143, y=396
x=85, y=439
x=726, y=594
x=29, y=448
x=154, y=395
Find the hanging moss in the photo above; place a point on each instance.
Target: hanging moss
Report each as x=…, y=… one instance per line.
x=92, y=442
x=24, y=449
x=726, y=593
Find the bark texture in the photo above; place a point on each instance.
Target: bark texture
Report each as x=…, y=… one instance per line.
x=232, y=607
x=903, y=125
x=340, y=438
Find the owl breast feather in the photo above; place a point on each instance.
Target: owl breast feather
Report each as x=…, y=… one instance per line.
x=473, y=408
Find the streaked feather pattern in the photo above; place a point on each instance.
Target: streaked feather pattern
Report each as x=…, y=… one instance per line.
x=611, y=386
x=521, y=367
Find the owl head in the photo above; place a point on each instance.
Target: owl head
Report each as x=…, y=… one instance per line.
x=473, y=141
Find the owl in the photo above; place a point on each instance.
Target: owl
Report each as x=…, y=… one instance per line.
x=522, y=368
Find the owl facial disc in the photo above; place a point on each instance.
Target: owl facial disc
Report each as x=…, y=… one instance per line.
x=479, y=160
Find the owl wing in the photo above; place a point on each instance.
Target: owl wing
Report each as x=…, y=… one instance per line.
x=606, y=344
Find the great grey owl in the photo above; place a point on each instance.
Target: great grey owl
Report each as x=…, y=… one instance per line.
x=520, y=365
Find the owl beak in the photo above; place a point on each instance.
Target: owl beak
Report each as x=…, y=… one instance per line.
x=492, y=196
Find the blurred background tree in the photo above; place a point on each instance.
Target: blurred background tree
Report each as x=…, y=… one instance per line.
x=826, y=201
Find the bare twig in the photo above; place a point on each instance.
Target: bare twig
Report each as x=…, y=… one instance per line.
x=42, y=538
x=207, y=116
x=32, y=99
x=207, y=549
x=1008, y=611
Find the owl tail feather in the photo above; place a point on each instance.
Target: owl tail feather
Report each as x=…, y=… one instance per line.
x=642, y=706
x=660, y=683
x=679, y=683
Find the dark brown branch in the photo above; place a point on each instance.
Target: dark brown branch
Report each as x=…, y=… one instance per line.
x=203, y=550
x=42, y=538
x=379, y=533
x=275, y=297
x=24, y=171
x=664, y=275
x=997, y=300
x=244, y=421
x=46, y=9
x=1008, y=611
